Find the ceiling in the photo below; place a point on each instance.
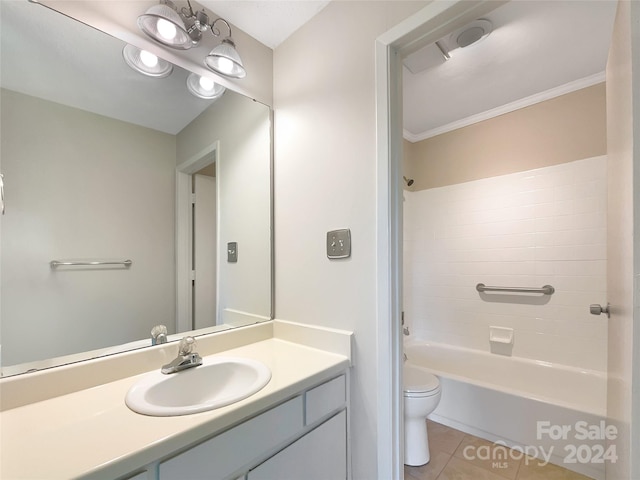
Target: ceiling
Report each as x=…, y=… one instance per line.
x=84, y=68
x=535, y=46
x=537, y=49
x=270, y=22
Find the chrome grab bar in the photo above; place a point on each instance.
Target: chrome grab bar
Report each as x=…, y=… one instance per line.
x=545, y=290
x=58, y=263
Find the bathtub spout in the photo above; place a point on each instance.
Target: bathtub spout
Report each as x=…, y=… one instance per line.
x=405, y=330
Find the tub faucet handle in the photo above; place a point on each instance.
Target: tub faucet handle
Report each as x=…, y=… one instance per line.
x=597, y=309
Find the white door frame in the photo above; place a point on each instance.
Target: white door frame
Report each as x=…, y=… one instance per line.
x=184, y=233
x=426, y=26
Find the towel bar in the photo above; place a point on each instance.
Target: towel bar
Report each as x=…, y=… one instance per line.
x=59, y=263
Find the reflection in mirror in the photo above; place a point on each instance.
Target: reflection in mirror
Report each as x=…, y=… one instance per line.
x=104, y=164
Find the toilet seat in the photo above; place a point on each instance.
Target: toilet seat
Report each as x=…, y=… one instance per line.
x=419, y=383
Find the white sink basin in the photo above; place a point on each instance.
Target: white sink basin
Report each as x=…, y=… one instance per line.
x=219, y=381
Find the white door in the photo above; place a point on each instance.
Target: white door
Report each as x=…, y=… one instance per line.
x=204, y=251
x=623, y=397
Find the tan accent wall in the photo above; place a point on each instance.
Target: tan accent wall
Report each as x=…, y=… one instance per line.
x=325, y=178
x=209, y=170
x=563, y=129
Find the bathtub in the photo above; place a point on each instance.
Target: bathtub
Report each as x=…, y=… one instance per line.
x=545, y=410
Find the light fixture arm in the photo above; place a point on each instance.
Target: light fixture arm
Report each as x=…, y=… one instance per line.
x=187, y=13
x=198, y=22
x=216, y=31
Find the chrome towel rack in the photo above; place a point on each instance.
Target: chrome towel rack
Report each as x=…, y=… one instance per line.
x=74, y=263
x=545, y=290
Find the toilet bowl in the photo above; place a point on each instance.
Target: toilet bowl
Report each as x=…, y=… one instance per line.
x=421, y=397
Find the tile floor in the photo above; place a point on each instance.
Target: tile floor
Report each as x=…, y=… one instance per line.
x=448, y=462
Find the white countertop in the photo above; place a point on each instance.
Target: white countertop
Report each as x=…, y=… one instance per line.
x=91, y=433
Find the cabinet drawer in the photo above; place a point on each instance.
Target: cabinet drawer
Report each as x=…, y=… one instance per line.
x=220, y=456
x=324, y=399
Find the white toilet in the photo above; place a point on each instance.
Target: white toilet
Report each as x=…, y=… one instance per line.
x=421, y=397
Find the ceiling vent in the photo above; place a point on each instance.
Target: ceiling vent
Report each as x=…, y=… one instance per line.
x=472, y=33
x=437, y=53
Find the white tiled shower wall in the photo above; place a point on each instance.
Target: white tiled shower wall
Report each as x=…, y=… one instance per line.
x=544, y=226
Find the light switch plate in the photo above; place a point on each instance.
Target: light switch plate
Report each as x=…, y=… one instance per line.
x=232, y=252
x=339, y=243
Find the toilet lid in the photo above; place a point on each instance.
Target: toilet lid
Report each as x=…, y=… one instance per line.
x=418, y=380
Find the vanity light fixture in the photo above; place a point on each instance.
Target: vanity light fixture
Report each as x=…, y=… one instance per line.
x=162, y=22
x=204, y=87
x=183, y=29
x=224, y=59
x=146, y=62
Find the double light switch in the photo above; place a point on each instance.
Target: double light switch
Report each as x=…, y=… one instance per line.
x=339, y=243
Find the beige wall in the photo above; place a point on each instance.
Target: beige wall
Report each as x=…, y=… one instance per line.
x=82, y=186
x=243, y=173
x=563, y=129
x=325, y=179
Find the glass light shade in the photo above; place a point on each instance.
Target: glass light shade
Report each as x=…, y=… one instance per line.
x=145, y=62
x=203, y=87
x=224, y=59
x=164, y=25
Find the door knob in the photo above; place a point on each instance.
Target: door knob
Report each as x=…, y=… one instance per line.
x=596, y=309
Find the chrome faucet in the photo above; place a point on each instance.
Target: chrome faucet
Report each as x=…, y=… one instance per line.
x=186, y=358
x=158, y=335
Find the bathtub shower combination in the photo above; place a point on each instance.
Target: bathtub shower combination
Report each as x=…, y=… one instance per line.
x=524, y=363
x=519, y=402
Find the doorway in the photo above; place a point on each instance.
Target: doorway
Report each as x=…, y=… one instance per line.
x=430, y=24
x=197, y=235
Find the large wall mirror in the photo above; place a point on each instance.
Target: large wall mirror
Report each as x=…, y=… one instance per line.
x=136, y=187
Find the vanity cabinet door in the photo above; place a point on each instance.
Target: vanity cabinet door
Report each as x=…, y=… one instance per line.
x=226, y=453
x=319, y=455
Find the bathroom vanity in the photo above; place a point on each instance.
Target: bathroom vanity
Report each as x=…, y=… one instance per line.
x=304, y=437
x=72, y=422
